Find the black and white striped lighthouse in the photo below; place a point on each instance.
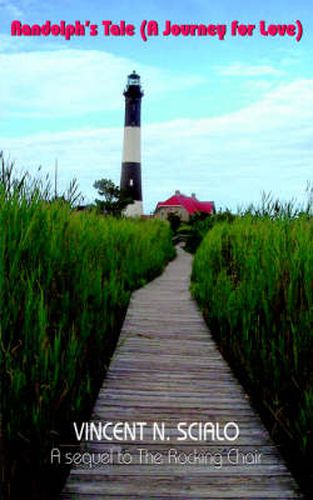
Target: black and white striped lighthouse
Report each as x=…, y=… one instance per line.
x=131, y=162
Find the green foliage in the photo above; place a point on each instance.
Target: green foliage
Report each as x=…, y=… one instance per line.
x=65, y=283
x=24, y=186
x=115, y=200
x=198, y=226
x=274, y=208
x=254, y=281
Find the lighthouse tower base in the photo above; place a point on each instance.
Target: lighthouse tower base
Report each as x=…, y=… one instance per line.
x=134, y=209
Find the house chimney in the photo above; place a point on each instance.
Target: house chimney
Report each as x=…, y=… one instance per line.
x=177, y=192
x=193, y=195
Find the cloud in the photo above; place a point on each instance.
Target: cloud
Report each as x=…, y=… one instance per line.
x=67, y=82
x=10, y=44
x=230, y=159
x=11, y=8
x=18, y=8
x=248, y=70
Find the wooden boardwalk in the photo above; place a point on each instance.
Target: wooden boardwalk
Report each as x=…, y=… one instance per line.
x=167, y=369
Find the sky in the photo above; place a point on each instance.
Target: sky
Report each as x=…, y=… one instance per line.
x=225, y=119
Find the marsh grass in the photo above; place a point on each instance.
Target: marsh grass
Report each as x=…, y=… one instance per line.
x=253, y=279
x=65, y=282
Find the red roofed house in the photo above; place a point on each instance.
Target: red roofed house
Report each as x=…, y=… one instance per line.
x=183, y=206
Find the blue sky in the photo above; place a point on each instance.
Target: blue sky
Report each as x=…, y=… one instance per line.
x=225, y=119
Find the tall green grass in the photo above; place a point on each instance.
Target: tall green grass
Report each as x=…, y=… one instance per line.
x=254, y=281
x=65, y=282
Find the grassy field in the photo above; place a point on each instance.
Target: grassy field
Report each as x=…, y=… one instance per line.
x=253, y=279
x=65, y=283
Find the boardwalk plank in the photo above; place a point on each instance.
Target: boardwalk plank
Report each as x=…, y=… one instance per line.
x=168, y=369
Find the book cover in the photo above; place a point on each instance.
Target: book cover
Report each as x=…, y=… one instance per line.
x=156, y=250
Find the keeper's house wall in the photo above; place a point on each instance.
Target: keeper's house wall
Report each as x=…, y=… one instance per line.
x=163, y=212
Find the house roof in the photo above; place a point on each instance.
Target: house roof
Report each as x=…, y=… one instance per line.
x=190, y=203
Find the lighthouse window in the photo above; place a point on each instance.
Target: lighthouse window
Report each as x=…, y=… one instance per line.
x=131, y=182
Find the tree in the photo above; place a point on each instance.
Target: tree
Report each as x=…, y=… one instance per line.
x=115, y=199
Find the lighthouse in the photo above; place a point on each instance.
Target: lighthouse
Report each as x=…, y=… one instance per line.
x=131, y=160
